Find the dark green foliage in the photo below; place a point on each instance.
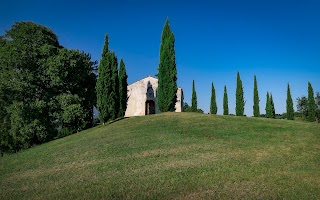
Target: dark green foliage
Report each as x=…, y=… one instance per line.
x=311, y=104
x=290, y=111
x=256, y=109
x=72, y=115
x=302, y=107
x=108, y=85
x=34, y=71
x=199, y=110
x=239, y=97
x=186, y=107
x=213, y=102
x=225, y=102
x=115, y=86
x=317, y=99
x=272, y=108
x=123, y=89
x=76, y=79
x=268, y=107
x=167, y=71
x=194, y=102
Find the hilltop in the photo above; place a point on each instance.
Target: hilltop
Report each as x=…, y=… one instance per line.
x=171, y=155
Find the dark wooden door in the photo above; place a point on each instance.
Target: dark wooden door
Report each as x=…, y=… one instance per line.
x=150, y=107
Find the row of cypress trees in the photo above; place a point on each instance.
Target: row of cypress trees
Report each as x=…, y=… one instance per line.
x=111, y=86
x=270, y=108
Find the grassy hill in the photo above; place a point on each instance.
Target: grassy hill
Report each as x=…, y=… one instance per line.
x=172, y=156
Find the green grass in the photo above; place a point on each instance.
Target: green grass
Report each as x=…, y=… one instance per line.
x=172, y=156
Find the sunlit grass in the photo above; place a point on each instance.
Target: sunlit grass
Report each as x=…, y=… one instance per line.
x=172, y=156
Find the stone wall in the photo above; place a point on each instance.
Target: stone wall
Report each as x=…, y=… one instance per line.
x=138, y=94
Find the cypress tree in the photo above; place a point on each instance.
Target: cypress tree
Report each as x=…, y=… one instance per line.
x=311, y=104
x=167, y=71
x=268, y=106
x=272, y=109
x=256, y=109
x=225, y=102
x=123, y=89
x=115, y=86
x=290, y=111
x=213, y=102
x=107, y=85
x=194, y=103
x=239, y=97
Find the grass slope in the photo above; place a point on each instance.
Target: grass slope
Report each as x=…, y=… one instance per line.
x=172, y=156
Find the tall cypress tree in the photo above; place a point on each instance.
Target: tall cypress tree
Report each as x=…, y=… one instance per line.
x=194, y=103
x=213, y=102
x=225, y=102
x=239, y=97
x=311, y=104
x=268, y=106
x=123, y=89
x=115, y=86
x=290, y=111
x=256, y=109
x=167, y=71
x=272, y=108
x=107, y=85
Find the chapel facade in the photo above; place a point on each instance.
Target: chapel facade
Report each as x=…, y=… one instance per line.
x=143, y=99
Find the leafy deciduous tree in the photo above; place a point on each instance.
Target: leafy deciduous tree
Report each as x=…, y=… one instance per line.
x=34, y=71
x=302, y=106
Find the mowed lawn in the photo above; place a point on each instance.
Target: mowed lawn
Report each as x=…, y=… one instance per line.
x=172, y=156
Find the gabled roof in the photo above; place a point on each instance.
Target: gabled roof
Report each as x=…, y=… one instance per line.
x=144, y=78
x=147, y=78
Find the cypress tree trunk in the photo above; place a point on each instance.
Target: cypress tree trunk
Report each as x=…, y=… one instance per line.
x=239, y=97
x=290, y=111
x=256, y=109
x=167, y=72
x=213, y=102
x=194, y=103
x=311, y=104
x=225, y=102
x=123, y=89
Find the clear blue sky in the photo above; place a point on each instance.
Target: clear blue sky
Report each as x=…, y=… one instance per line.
x=279, y=41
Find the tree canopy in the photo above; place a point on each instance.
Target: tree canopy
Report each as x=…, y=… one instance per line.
x=46, y=91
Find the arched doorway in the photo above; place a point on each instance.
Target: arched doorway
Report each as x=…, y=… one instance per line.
x=150, y=107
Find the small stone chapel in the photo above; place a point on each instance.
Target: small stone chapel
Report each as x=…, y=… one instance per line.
x=143, y=100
